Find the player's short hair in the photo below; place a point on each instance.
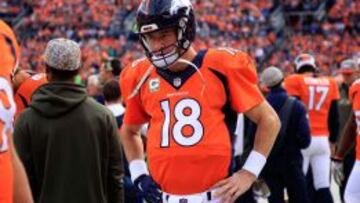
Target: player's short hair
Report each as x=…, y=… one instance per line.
x=111, y=91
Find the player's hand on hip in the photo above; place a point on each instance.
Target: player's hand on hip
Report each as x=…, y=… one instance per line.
x=231, y=188
x=148, y=189
x=337, y=168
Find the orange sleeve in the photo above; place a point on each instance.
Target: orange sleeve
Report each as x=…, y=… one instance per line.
x=122, y=81
x=352, y=92
x=135, y=113
x=291, y=86
x=242, y=80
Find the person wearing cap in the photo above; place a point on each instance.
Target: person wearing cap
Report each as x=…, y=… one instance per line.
x=345, y=162
x=69, y=143
x=284, y=165
x=349, y=73
x=320, y=96
x=110, y=70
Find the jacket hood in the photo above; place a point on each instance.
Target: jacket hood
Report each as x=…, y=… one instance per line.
x=57, y=98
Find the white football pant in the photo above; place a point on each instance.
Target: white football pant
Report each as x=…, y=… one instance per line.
x=352, y=189
x=317, y=155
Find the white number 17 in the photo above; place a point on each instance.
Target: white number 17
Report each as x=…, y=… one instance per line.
x=314, y=90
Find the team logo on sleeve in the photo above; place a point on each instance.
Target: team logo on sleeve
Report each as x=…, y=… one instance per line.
x=154, y=85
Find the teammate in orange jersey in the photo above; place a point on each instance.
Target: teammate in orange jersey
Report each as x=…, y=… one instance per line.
x=14, y=186
x=24, y=84
x=320, y=95
x=191, y=100
x=350, y=136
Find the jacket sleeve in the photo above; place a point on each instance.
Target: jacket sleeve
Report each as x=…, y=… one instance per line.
x=116, y=168
x=303, y=135
x=333, y=121
x=23, y=147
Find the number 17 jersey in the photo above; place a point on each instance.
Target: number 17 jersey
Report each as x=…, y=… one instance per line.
x=316, y=93
x=192, y=116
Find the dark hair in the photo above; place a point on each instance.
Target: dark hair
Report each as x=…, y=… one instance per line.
x=306, y=69
x=113, y=65
x=111, y=91
x=116, y=67
x=61, y=75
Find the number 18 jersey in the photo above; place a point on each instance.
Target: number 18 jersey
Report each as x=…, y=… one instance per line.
x=316, y=93
x=192, y=116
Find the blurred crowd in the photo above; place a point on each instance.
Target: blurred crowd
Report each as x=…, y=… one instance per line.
x=327, y=29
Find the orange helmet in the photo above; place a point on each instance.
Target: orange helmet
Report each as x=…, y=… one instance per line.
x=9, y=49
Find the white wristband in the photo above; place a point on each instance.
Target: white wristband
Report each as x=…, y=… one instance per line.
x=137, y=168
x=255, y=163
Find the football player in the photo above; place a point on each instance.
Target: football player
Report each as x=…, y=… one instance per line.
x=14, y=185
x=350, y=136
x=191, y=100
x=24, y=84
x=319, y=95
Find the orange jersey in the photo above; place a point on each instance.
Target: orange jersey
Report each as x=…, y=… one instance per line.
x=26, y=89
x=316, y=93
x=9, y=56
x=354, y=97
x=192, y=116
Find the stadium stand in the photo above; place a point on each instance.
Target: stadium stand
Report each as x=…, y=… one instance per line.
x=273, y=32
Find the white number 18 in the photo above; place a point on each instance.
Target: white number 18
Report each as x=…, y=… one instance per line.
x=182, y=120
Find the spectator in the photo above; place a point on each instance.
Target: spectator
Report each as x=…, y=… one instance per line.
x=110, y=70
x=94, y=89
x=350, y=72
x=68, y=143
x=113, y=102
x=112, y=95
x=284, y=166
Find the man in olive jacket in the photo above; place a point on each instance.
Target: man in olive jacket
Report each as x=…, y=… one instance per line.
x=67, y=141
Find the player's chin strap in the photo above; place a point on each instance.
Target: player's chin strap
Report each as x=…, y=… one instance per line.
x=197, y=70
x=151, y=67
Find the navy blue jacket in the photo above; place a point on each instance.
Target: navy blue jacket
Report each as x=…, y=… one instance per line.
x=297, y=133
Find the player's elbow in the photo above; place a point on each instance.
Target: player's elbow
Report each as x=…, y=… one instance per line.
x=128, y=131
x=273, y=123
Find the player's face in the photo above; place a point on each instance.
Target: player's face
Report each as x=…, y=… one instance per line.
x=160, y=41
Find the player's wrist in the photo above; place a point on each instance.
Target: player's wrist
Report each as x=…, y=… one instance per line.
x=255, y=163
x=138, y=168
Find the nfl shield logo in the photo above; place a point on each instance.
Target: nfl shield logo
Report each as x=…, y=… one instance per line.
x=177, y=82
x=183, y=201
